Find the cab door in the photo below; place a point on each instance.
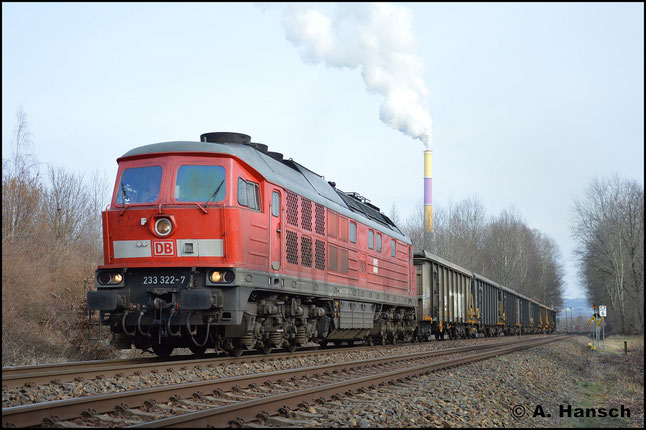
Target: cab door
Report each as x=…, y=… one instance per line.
x=275, y=227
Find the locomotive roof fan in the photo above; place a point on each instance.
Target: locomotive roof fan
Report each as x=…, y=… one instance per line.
x=227, y=137
x=275, y=155
x=260, y=146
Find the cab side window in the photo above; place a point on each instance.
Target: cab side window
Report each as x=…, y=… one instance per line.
x=275, y=204
x=248, y=194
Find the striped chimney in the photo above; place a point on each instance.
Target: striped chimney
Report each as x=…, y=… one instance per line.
x=428, y=194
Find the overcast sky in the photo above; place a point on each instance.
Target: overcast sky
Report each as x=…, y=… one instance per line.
x=528, y=101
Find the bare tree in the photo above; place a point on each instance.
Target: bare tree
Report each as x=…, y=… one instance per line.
x=414, y=228
x=608, y=225
x=98, y=195
x=394, y=215
x=67, y=206
x=501, y=248
x=504, y=253
x=21, y=190
x=22, y=161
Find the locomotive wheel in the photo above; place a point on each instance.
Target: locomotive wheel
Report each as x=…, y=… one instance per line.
x=236, y=351
x=164, y=350
x=198, y=350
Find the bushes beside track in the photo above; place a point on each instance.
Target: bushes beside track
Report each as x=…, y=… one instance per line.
x=51, y=244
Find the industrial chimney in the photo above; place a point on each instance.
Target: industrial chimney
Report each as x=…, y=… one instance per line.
x=428, y=197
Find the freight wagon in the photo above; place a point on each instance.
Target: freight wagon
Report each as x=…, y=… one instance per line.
x=454, y=300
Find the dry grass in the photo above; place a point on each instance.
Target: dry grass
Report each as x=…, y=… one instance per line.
x=44, y=318
x=612, y=379
x=615, y=344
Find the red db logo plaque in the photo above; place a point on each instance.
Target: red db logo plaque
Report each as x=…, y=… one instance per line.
x=163, y=248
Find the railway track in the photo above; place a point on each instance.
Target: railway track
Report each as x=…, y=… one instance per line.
x=62, y=372
x=240, y=399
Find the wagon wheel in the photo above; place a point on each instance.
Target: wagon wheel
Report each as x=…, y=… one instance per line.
x=236, y=351
x=266, y=349
x=323, y=343
x=163, y=350
x=291, y=347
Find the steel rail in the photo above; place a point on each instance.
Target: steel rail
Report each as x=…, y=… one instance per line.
x=34, y=414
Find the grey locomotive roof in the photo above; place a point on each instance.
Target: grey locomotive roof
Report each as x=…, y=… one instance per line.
x=432, y=257
x=298, y=178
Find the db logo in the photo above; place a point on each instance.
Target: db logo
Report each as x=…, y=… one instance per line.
x=163, y=248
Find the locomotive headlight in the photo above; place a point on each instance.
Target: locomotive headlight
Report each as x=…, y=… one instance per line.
x=163, y=227
x=104, y=278
x=220, y=277
x=216, y=276
x=109, y=278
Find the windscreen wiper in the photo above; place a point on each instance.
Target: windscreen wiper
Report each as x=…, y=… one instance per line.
x=125, y=198
x=215, y=192
x=123, y=191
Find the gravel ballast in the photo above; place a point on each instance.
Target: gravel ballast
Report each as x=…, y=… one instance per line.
x=507, y=391
x=499, y=392
x=59, y=390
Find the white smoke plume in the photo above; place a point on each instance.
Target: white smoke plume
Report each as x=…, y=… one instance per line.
x=376, y=38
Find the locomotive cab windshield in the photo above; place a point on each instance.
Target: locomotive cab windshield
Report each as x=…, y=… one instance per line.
x=201, y=183
x=139, y=185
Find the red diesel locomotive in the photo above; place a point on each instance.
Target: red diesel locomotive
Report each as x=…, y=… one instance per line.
x=223, y=244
